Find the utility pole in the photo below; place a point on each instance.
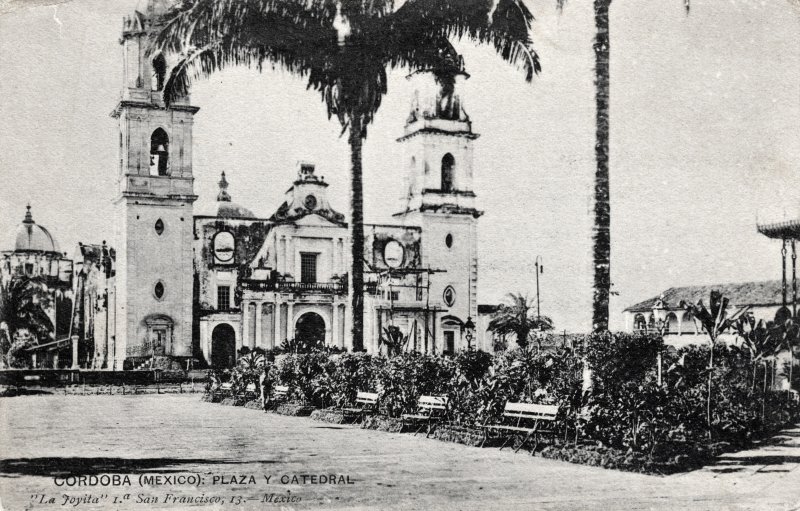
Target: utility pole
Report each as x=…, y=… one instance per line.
x=539, y=269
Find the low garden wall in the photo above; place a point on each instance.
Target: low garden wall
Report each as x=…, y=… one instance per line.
x=61, y=377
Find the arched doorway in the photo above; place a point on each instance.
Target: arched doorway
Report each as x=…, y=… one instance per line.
x=223, y=347
x=309, y=331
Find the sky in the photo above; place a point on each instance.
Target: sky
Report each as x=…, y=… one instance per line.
x=705, y=142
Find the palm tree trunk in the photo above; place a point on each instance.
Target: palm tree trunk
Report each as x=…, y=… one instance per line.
x=602, y=207
x=356, y=235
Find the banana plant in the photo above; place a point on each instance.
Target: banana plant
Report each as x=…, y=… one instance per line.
x=761, y=339
x=715, y=321
x=394, y=340
x=788, y=334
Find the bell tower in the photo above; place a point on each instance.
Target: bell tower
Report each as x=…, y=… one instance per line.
x=438, y=142
x=155, y=192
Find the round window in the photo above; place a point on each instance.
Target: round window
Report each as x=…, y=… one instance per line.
x=158, y=290
x=224, y=247
x=310, y=202
x=159, y=227
x=449, y=296
x=448, y=240
x=393, y=254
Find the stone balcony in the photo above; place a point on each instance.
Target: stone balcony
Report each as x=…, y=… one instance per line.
x=330, y=288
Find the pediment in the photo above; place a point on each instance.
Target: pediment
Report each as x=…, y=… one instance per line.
x=314, y=220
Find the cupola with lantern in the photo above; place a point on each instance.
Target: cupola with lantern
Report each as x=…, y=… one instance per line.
x=307, y=196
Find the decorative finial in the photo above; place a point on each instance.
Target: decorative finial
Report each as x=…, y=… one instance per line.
x=28, y=216
x=223, y=195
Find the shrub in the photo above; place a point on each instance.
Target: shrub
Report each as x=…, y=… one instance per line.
x=348, y=374
x=403, y=379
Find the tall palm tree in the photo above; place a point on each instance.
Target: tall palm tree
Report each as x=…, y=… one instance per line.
x=343, y=48
x=23, y=302
x=517, y=317
x=601, y=230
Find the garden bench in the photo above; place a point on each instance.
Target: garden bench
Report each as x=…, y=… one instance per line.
x=224, y=390
x=366, y=402
x=430, y=410
x=280, y=393
x=250, y=391
x=524, y=419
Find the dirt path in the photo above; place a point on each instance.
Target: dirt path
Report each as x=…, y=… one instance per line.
x=177, y=436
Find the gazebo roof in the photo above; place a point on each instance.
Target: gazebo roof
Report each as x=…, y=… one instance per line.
x=789, y=229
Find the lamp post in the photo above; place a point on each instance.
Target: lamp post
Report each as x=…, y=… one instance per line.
x=660, y=316
x=469, y=332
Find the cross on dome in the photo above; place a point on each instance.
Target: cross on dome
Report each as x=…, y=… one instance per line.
x=223, y=195
x=28, y=216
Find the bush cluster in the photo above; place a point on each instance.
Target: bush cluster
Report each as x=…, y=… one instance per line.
x=625, y=408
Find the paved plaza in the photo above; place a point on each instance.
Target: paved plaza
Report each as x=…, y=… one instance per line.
x=174, y=448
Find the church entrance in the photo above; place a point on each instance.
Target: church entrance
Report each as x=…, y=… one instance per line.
x=309, y=331
x=223, y=347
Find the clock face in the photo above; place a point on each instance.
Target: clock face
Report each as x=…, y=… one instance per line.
x=310, y=202
x=393, y=254
x=449, y=296
x=224, y=247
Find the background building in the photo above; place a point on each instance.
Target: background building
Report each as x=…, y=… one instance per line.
x=679, y=327
x=181, y=287
x=33, y=254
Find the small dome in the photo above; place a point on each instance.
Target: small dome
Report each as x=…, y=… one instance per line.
x=226, y=208
x=233, y=210
x=32, y=237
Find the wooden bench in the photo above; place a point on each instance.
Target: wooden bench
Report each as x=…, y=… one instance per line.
x=366, y=402
x=223, y=390
x=251, y=391
x=524, y=419
x=430, y=410
x=280, y=393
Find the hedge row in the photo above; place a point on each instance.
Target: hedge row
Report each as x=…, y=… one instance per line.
x=625, y=407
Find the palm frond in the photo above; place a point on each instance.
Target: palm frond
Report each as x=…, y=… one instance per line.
x=212, y=35
x=300, y=36
x=502, y=24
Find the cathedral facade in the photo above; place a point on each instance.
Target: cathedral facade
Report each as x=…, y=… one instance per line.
x=263, y=282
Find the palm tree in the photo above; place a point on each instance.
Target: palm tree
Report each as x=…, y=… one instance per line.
x=517, y=317
x=601, y=230
x=23, y=302
x=344, y=48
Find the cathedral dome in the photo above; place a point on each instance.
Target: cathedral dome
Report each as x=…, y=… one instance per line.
x=32, y=237
x=226, y=208
x=233, y=210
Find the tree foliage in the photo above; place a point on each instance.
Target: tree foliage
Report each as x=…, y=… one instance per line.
x=517, y=317
x=23, y=302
